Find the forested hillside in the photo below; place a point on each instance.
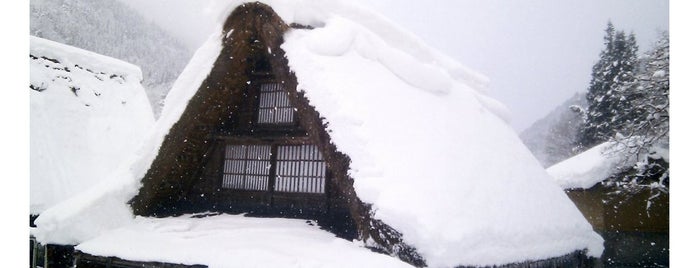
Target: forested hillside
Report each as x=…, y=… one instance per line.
x=553, y=138
x=111, y=28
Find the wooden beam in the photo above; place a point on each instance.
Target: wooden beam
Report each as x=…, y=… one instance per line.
x=273, y=140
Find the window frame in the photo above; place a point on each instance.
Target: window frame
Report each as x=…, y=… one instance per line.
x=250, y=178
x=257, y=88
x=274, y=98
x=275, y=144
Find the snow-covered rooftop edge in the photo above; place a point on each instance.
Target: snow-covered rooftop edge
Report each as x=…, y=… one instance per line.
x=597, y=164
x=86, y=110
x=586, y=169
x=234, y=241
x=500, y=224
x=87, y=59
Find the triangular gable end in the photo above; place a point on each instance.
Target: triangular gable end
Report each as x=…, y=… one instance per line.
x=248, y=141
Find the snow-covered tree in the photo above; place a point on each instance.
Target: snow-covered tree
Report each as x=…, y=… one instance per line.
x=608, y=105
x=645, y=138
x=648, y=95
x=629, y=105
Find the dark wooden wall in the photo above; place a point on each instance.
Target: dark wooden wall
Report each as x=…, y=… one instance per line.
x=607, y=211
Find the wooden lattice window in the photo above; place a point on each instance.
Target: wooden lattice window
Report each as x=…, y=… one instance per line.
x=275, y=107
x=300, y=168
x=247, y=167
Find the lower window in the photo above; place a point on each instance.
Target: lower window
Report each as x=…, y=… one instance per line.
x=247, y=167
x=299, y=168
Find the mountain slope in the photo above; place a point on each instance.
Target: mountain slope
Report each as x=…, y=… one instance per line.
x=553, y=137
x=111, y=28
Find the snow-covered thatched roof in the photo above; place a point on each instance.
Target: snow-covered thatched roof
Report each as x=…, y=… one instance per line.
x=430, y=152
x=88, y=112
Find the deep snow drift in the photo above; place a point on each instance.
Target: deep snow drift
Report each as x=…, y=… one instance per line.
x=430, y=151
x=234, y=241
x=88, y=112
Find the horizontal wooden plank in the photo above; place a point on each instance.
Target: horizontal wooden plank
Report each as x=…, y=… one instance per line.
x=268, y=140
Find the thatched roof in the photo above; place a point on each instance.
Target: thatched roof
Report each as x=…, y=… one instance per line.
x=87, y=113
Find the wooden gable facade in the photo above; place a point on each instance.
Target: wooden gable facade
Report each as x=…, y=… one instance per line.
x=248, y=112
x=245, y=142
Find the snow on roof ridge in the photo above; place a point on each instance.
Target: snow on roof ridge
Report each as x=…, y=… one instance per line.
x=87, y=59
x=399, y=38
x=315, y=13
x=403, y=45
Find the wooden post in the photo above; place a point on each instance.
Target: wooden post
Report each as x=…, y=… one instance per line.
x=272, y=174
x=328, y=177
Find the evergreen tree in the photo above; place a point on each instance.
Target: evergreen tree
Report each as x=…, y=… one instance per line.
x=608, y=106
x=644, y=139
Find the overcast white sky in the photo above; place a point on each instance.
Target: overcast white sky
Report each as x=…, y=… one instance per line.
x=537, y=53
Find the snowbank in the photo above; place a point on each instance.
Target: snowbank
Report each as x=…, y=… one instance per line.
x=87, y=113
x=431, y=153
x=234, y=241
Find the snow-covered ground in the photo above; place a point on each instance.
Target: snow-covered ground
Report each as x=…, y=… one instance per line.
x=431, y=152
x=88, y=112
x=234, y=241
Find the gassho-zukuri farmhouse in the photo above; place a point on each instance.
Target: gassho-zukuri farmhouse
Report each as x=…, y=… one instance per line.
x=301, y=134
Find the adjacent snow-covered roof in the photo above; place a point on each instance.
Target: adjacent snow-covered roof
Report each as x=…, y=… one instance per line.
x=590, y=167
x=234, y=241
x=431, y=152
x=87, y=113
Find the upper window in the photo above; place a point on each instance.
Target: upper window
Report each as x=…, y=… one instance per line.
x=275, y=107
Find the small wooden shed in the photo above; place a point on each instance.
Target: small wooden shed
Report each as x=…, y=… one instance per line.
x=635, y=225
